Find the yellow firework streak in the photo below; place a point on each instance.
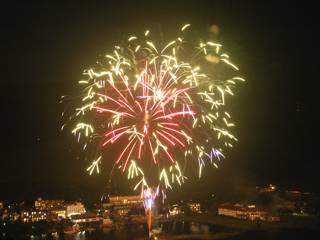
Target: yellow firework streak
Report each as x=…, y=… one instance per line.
x=157, y=105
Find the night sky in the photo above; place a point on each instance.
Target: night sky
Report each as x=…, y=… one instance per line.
x=45, y=46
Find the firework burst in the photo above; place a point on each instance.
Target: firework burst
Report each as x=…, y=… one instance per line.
x=158, y=107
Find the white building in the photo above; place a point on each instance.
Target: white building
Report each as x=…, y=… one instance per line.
x=86, y=218
x=126, y=200
x=250, y=212
x=75, y=209
x=123, y=204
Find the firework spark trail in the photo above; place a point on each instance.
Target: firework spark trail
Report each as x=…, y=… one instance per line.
x=159, y=106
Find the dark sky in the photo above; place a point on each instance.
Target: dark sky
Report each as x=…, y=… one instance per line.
x=45, y=46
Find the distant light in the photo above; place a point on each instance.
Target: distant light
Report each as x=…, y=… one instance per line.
x=215, y=29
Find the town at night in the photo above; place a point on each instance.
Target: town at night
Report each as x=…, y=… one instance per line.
x=159, y=120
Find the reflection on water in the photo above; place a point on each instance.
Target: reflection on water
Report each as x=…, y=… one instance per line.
x=129, y=231
x=171, y=230
x=138, y=231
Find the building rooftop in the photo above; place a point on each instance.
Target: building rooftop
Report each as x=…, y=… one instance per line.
x=240, y=207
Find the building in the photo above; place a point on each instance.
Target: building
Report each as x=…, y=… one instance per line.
x=194, y=207
x=60, y=213
x=58, y=208
x=74, y=208
x=52, y=207
x=42, y=204
x=33, y=215
x=86, y=218
x=175, y=209
x=126, y=200
x=122, y=205
x=11, y=212
x=268, y=189
x=250, y=212
x=11, y=216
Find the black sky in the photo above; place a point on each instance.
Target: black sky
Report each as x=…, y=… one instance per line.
x=46, y=45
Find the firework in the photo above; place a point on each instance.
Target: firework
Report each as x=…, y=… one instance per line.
x=162, y=108
x=149, y=196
